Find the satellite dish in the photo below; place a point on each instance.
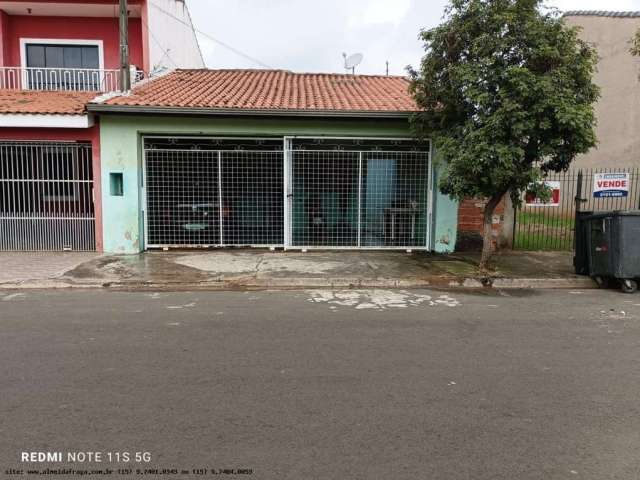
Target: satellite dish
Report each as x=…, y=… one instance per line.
x=352, y=61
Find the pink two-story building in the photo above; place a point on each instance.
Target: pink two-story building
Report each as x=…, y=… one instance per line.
x=54, y=58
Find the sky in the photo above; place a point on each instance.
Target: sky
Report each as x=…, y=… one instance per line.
x=310, y=36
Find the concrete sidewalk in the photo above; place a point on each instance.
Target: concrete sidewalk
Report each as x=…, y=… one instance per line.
x=259, y=269
x=26, y=267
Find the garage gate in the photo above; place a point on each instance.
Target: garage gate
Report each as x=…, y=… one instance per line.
x=292, y=192
x=213, y=193
x=46, y=196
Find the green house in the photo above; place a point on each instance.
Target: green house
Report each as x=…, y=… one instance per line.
x=261, y=158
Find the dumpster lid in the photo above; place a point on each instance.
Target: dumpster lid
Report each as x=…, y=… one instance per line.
x=614, y=213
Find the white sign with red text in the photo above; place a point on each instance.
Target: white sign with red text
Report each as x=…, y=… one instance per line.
x=532, y=200
x=607, y=185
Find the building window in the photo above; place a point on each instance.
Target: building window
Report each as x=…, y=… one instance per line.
x=116, y=184
x=63, y=67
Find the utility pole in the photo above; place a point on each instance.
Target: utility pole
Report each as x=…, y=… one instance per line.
x=387, y=68
x=125, y=72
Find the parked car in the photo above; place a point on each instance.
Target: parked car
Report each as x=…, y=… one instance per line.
x=189, y=223
x=195, y=217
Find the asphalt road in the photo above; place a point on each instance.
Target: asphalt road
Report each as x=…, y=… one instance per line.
x=315, y=385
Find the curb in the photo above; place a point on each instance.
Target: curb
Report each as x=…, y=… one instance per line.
x=314, y=282
x=545, y=283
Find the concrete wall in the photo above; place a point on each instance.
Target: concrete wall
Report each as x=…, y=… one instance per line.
x=4, y=32
x=170, y=39
x=162, y=37
x=618, y=111
x=71, y=28
x=122, y=153
x=444, y=228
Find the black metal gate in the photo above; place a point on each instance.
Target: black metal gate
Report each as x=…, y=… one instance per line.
x=551, y=225
x=46, y=196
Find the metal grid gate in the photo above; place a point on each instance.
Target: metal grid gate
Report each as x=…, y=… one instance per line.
x=215, y=192
x=205, y=197
x=359, y=199
x=46, y=196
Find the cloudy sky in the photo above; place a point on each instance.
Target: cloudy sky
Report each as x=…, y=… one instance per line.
x=310, y=36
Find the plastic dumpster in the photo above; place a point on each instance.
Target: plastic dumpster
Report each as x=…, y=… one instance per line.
x=614, y=248
x=581, y=257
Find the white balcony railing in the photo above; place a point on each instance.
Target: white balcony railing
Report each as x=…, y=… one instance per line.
x=62, y=79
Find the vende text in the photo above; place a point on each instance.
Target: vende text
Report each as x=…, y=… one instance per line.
x=611, y=183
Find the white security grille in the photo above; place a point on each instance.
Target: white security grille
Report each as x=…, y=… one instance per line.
x=182, y=198
x=46, y=196
x=204, y=192
x=252, y=192
x=364, y=199
x=202, y=198
x=325, y=198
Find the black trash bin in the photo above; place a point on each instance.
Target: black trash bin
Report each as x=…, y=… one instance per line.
x=581, y=257
x=614, y=248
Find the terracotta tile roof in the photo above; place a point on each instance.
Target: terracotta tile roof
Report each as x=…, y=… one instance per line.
x=271, y=90
x=44, y=102
x=601, y=13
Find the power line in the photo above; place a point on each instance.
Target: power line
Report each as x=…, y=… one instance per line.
x=213, y=39
x=155, y=39
x=193, y=30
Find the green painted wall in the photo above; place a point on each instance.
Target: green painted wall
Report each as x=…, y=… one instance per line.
x=445, y=214
x=121, y=152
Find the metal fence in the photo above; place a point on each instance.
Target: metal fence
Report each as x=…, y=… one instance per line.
x=551, y=225
x=359, y=199
x=206, y=198
x=46, y=196
x=64, y=79
x=259, y=194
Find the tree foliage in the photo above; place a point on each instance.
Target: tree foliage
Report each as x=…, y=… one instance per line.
x=635, y=44
x=506, y=92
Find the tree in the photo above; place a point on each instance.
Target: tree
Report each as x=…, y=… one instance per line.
x=635, y=44
x=506, y=95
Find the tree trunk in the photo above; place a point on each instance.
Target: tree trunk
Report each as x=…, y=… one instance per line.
x=487, y=235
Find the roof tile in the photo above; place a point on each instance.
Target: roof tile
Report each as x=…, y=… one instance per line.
x=44, y=102
x=272, y=90
x=601, y=13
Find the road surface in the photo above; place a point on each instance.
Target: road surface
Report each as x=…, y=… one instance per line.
x=318, y=384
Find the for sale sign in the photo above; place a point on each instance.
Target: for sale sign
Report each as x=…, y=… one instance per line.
x=610, y=185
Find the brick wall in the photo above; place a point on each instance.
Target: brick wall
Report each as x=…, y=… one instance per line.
x=470, y=215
